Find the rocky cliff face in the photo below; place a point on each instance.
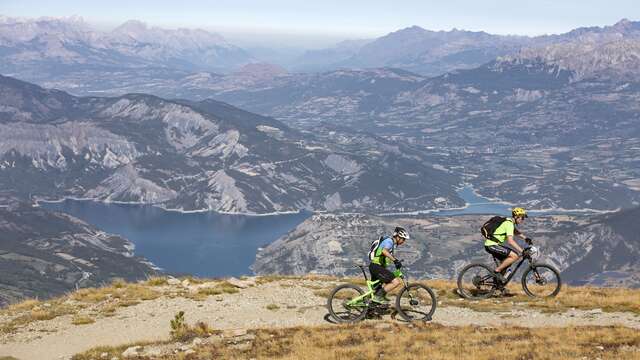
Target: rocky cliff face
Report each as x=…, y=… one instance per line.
x=200, y=155
x=43, y=253
x=597, y=250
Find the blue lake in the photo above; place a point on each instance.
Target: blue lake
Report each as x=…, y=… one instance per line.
x=476, y=205
x=203, y=244
x=208, y=243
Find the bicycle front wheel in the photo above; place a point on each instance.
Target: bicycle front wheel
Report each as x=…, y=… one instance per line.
x=541, y=280
x=416, y=302
x=342, y=306
x=476, y=281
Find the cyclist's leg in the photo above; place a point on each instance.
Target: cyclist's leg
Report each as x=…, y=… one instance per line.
x=379, y=272
x=393, y=284
x=504, y=254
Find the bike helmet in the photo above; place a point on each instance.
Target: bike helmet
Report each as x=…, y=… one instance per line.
x=519, y=212
x=401, y=232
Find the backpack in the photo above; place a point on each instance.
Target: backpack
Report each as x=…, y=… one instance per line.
x=374, y=247
x=489, y=228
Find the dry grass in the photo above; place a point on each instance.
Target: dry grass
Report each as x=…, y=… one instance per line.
x=82, y=320
x=117, y=290
x=272, y=307
x=35, y=312
x=112, y=351
x=362, y=341
x=156, y=281
x=576, y=297
x=105, y=300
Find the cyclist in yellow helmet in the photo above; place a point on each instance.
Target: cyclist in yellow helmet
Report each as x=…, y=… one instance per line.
x=505, y=232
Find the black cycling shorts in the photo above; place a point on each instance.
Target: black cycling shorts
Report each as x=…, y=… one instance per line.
x=379, y=272
x=499, y=251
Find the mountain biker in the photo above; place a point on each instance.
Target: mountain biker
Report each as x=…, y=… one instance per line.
x=384, y=257
x=505, y=232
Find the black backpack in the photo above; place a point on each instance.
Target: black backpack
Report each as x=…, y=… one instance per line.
x=489, y=228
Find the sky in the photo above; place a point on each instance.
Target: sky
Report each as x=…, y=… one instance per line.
x=328, y=21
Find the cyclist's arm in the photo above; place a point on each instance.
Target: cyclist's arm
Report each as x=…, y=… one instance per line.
x=514, y=244
x=520, y=234
x=386, y=253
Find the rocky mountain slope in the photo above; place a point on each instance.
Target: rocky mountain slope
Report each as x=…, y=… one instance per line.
x=199, y=155
x=44, y=254
x=595, y=250
x=562, y=122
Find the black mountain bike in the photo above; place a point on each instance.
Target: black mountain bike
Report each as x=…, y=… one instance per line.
x=350, y=303
x=478, y=281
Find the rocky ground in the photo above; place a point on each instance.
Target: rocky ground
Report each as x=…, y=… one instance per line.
x=240, y=305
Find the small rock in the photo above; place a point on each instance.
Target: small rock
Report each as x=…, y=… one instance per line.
x=234, y=333
x=47, y=305
x=196, y=342
x=186, y=283
x=152, y=352
x=242, y=284
x=243, y=338
x=173, y=281
x=104, y=355
x=131, y=352
x=600, y=347
x=114, y=358
x=185, y=347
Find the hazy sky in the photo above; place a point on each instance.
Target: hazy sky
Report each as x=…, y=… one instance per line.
x=331, y=20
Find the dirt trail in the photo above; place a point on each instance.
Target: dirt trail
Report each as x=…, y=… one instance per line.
x=297, y=305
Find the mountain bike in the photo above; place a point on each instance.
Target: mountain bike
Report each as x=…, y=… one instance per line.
x=349, y=303
x=479, y=281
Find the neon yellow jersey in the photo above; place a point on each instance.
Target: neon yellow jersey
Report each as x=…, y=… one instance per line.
x=505, y=229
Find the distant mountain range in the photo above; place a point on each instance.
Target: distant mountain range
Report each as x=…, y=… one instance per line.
x=67, y=53
x=50, y=47
x=43, y=253
x=594, y=250
x=200, y=156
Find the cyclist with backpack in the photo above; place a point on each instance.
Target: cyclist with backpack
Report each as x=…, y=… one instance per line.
x=381, y=256
x=499, y=230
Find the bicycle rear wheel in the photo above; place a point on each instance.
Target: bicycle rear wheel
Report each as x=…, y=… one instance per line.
x=476, y=281
x=416, y=302
x=541, y=280
x=342, y=307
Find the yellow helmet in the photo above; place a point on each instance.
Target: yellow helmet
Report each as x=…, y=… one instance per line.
x=519, y=212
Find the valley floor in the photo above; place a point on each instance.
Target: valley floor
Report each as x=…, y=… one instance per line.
x=133, y=313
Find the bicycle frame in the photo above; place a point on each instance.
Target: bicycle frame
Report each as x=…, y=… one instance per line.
x=513, y=273
x=371, y=286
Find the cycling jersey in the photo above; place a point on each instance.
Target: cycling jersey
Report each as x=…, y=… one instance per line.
x=505, y=229
x=386, y=243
